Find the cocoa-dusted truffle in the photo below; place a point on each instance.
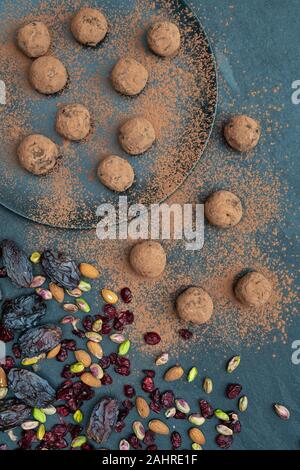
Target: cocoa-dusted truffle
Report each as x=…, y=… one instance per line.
x=48, y=75
x=253, y=289
x=148, y=259
x=223, y=209
x=89, y=26
x=38, y=154
x=242, y=133
x=137, y=136
x=164, y=39
x=195, y=305
x=116, y=173
x=34, y=39
x=73, y=121
x=129, y=77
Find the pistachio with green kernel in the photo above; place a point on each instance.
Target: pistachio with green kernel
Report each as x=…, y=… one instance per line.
x=49, y=411
x=71, y=308
x=97, y=326
x=192, y=374
x=117, y=338
x=182, y=406
x=170, y=412
x=224, y=430
x=3, y=392
x=243, y=403
x=124, y=348
x=93, y=336
x=124, y=445
x=39, y=415
x=84, y=286
x=162, y=359
x=75, y=292
x=78, y=416
x=30, y=361
x=196, y=446
x=78, y=441
x=37, y=281
x=282, y=411
x=208, y=385
x=82, y=305
x=97, y=371
x=45, y=294
x=35, y=257
x=41, y=432
x=197, y=419
x=77, y=368
x=29, y=425
x=220, y=414
x=233, y=364
x=138, y=430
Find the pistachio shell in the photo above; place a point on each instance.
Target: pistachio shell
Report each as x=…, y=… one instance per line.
x=224, y=430
x=49, y=411
x=207, y=385
x=29, y=425
x=282, y=411
x=197, y=419
x=243, y=403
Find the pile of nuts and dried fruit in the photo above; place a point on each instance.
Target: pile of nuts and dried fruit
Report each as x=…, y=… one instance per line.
x=53, y=276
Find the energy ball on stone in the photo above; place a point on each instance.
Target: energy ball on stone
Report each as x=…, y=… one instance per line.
x=223, y=209
x=137, y=136
x=129, y=77
x=38, y=154
x=195, y=305
x=89, y=26
x=242, y=133
x=148, y=259
x=164, y=39
x=116, y=173
x=253, y=289
x=73, y=121
x=48, y=75
x=34, y=39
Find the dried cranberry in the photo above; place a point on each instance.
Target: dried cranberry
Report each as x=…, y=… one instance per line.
x=123, y=413
x=5, y=335
x=176, y=440
x=3, y=272
x=59, y=430
x=87, y=323
x=28, y=437
x=152, y=338
x=180, y=415
x=63, y=411
x=149, y=373
x=129, y=391
x=106, y=379
x=155, y=407
x=72, y=404
x=123, y=361
x=104, y=362
x=60, y=444
x=126, y=295
x=86, y=447
x=206, y=409
x=118, y=326
x=126, y=318
x=79, y=333
x=62, y=356
x=149, y=438
x=148, y=384
x=156, y=396
x=167, y=399
x=16, y=351
x=66, y=373
x=185, y=334
x=224, y=441
x=235, y=426
x=152, y=448
x=119, y=426
x=8, y=364
x=125, y=371
x=106, y=329
x=69, y=344
x=110, y=311
x=113, y=358
x=128, y=405
x=233, y=391
x=74, y=430
x=134, y=442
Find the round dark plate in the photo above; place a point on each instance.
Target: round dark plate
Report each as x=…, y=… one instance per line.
x=180, y=100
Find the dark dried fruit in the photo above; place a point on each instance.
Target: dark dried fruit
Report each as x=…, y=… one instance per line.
x=233, y=391
x=17, y=264
x=235, y=426
x=128, y=405
x=12, y=413
x=155, y=396
x=125, y=371
x=148, y=385
x=167, y=399
x=106, y=329
x=87, y=323
x=106, y=379
x=23, y=312
x=62, y=356
x=110, y=311
x=224, y=441
x=16, y=351
x=62, y=411
x=149, y=438
x=129, y=391
x=30, y=388
x=104, y=362
x=180, y=415
x=27, y=439
x=152, y=448
x=123, y=361
x=149, y=373
x=5, y=335
x=60, y=269
x=134, y=442
x=206, y=409
x=3, y=273
x=103, y=419
x=8, y=364
x=126, y=318
x=126, y=295
x=69, y=344
x=176, y=440
x=185, y=334
x=155, y=407
x=152, y=338
x=119, y=426
x=39, y=340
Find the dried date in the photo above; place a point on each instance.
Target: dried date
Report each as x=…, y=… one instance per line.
x=17, y=264
x=30, y=388
x=23, y=312
x=60, y=269
x=39, y=340
x=13, y=413
x=103, y=420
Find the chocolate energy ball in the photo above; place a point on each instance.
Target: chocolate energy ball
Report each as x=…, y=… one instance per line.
x=253, y=289
x=148, y=259
x=137, y=136
x=73, y=121
x=48, y=75
x=223, y=209
x=89, y=26
x=242, y=133
x=129, y=77
x=164, y=39
x=34, y=39
x=195, y=305
x=116, y=173
x=38, y=154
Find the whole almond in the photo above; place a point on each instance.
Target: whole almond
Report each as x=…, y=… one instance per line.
x=88, y=379
x=142, y=407
x=158, y=427
x=57, y=292
x=53, y=353
x=83, y=357
x=89, y=271
x=3, y=378
x=175, y=373
x=95, y=349
x=197, y=436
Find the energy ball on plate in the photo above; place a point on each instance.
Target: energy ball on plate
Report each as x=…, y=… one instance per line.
x=223, y=209
x=148, y=259
x=89, y=26
x=116, y=173
x=195, y=305
x=38, y=154
x=73, y=121
x=253, y=289
x=242, y=133
x=129, y=77
x=137, y=136
x=48, y=75
x=164, y=39
x=34, y=39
